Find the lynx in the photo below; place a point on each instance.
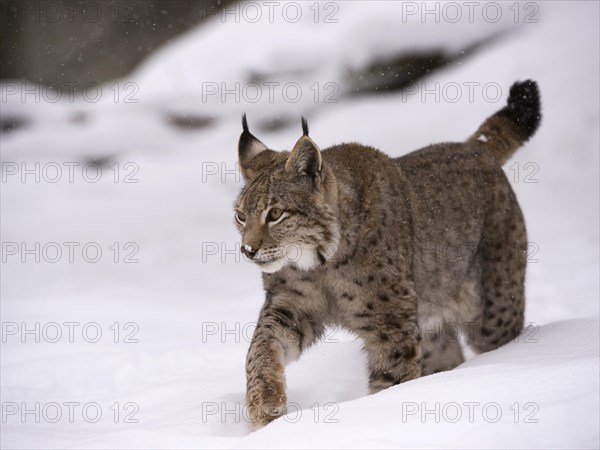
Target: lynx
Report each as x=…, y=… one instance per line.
x=415, y=255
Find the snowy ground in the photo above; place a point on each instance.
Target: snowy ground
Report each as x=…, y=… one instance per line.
x=174, y=302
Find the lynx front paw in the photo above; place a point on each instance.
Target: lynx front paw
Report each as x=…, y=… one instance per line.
x=266, y=400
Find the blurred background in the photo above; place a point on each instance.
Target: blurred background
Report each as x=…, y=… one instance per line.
x=118, y=140
x=52, y=42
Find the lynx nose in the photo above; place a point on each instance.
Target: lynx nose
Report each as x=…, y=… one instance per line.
x=248, y=251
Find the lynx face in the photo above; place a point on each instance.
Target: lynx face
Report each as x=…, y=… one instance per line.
x=287, y=212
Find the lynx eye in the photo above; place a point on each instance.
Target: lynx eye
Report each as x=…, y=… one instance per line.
x=274, y=215
x=240, y=217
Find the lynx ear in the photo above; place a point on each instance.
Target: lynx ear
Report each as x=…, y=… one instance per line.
x=305, y=157
x=248, y=147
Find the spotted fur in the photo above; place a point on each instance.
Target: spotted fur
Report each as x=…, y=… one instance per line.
x=410, y=254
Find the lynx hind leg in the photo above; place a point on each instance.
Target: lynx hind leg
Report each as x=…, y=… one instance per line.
x=441, y=349
x=445, y=331
x=503, y=254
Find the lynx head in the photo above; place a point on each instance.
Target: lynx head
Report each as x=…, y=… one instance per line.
x=287, y=210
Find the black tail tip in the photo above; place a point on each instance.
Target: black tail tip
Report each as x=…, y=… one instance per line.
x=524, y=107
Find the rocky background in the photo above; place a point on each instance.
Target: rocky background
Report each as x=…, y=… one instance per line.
x=50, y=41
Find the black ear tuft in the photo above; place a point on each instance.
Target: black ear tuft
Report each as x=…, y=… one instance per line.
x=304, y=126
x=248, y=147
x=244, y=122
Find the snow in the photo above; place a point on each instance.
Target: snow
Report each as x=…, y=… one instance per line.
x=182, y=315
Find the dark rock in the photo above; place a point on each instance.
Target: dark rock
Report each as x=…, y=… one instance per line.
x=9, y=124
x=190, y=121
